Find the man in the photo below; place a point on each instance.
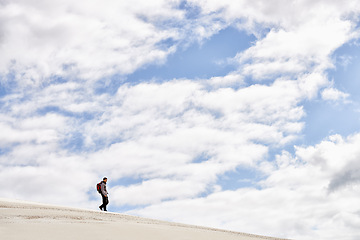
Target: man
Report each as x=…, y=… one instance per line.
x=104, y=195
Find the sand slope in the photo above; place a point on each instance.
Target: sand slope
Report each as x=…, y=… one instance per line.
x=27, y=221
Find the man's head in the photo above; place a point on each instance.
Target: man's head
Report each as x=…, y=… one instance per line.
x=105, y=179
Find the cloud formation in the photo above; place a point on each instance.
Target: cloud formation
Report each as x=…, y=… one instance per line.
x=68, y=115
x=75, y=40
x=304, y=196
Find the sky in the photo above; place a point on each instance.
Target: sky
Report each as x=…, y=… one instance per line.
x=241, y=115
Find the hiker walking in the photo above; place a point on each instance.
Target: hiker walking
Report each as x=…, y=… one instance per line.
x=104, y=194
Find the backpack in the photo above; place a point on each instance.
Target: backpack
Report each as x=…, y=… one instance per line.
x=98, y=187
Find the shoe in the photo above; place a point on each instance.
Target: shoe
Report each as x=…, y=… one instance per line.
x=100, y=208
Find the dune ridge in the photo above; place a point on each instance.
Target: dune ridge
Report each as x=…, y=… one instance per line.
x=25, y=220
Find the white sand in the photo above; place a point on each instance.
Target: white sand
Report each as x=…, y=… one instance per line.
x=28, y=221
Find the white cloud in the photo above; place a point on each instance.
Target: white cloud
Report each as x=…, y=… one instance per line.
x=36, y=129
x=158, y=131
x=300, y=50
x=89, y=41
x=333, y=94
x=294, y=199
x=177, y=138
x=229, y=80
x=156, y=190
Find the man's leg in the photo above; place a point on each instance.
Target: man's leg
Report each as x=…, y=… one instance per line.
x=105, y=202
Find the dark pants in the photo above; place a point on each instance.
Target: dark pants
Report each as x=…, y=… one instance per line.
x=105, y=201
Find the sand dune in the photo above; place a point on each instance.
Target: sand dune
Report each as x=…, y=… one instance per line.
x=27, y=221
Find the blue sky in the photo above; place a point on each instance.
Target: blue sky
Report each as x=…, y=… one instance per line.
x=200, y=60
x=236, y=115
x=329, y=117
